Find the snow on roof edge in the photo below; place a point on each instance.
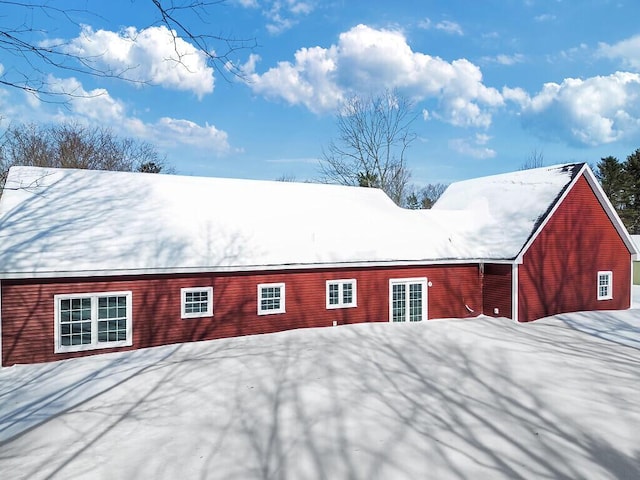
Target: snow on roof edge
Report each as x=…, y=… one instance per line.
x=470, y=254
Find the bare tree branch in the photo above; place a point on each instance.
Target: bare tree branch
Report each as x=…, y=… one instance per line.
x=184, y=19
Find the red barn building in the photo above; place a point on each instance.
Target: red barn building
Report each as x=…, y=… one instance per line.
x=94, y=261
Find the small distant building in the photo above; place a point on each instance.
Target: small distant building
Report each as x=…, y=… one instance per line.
x=636, y=263
x=97, y=261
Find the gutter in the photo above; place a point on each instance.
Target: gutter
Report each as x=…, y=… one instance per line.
x=18, y=275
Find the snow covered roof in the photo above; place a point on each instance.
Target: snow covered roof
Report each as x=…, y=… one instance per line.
x=56, y=222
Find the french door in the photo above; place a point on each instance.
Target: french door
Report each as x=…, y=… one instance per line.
x=407, y=299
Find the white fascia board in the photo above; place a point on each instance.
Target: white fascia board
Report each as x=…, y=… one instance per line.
x=631, y=286
x=611, y=212
x=244, y=268
x=606, y=205
x=519, y=258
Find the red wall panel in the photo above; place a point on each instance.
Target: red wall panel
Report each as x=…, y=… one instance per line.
x=559, y=271
x=496, y=292
x=28, y=305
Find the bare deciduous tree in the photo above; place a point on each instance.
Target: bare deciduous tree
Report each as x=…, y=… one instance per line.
x=20, y=29
x=72, y=145
x=535, y=160
x=373, y=136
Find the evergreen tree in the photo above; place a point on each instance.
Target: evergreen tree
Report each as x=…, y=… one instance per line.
x=621, y=182
x=425, y=197
x=612, y=177
x=632, y=174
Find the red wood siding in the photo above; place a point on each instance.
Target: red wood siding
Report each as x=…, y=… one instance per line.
x=559, y=271
x=28, y=306
x=496, y=292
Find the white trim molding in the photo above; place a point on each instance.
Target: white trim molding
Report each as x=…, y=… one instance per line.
x=605, y=285
x=274, y=302
x=83, y=318
x=409, y=281
x=351, y=294
x=604, y=201
x=196, y=301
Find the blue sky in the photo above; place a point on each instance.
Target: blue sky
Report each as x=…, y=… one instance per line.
x=492, y=81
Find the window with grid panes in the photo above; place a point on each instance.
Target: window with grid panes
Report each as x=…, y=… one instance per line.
x=341, y=293
x=197, y=302
x=91, y=321
x=271, y=298
x=605, y=285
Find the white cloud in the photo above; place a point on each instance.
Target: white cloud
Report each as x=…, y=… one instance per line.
x=284, y=14
x=504, y=59
x=308, y=82
x=366, y=60
x=572, y=54
x=449, y=27
x=167, y=130
x=473, y=147
x=627, y=50
x=594, y=111
x=248, y=3
x=98, y=107
x=517, y=95
x=154, y=55
x=446, y=26
x=96, y=104
x=300, y=8
x=546, y=17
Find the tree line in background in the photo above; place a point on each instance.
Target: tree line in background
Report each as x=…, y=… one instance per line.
x=620, y=180
x=71, y=145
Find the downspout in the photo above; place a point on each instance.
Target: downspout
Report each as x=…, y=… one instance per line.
x=514, y=292
x=1, y=352
x=631, y=286
x=481, y=275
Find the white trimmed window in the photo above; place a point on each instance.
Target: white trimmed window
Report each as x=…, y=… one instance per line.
x=270, y=298
x=605, y=285
x=196, y=302
x=89, y=321
x=341, y=293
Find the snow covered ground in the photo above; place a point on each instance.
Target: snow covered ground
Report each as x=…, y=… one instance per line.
x=479, y=398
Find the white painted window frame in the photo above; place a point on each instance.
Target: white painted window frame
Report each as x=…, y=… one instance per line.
x=94, y=345
x=341, y=283
x=609, y=275
x=183, y=302
x=282, y=308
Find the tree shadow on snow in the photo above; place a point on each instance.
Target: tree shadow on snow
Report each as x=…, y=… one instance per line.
x=480, y=398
